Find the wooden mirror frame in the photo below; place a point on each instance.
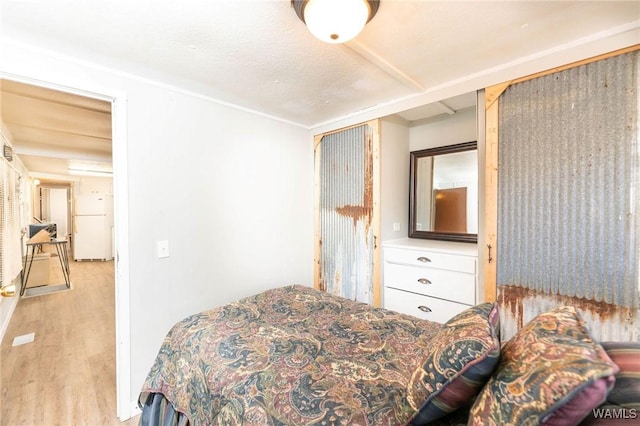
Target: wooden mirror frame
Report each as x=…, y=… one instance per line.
x=431, y=235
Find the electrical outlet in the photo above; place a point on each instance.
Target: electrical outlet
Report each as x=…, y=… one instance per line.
x=162, y=249
x=396, y=227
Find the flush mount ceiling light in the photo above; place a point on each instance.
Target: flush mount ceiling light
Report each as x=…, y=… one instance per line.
x=335, y=21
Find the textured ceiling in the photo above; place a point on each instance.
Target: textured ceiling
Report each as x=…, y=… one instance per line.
x=52, y=131
x=259, y=55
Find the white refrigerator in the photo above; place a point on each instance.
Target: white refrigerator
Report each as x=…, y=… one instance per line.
x=92, y=227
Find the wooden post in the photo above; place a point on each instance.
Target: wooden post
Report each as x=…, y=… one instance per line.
x=375, y=220
x=492, y=95
x=317, y=246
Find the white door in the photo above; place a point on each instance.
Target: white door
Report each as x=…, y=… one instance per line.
x=58, y=210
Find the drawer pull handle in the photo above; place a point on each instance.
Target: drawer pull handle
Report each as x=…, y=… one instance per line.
x=424, y=308
x=424, y=259
x=424, y=281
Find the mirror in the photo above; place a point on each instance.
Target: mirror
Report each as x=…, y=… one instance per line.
x=443, y=202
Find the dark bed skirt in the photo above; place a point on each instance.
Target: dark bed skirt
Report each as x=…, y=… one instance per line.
x=157, y=411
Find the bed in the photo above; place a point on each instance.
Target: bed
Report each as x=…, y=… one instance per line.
x=297, y=356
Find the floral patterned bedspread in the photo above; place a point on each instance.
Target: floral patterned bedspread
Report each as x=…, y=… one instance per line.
x=291, y=356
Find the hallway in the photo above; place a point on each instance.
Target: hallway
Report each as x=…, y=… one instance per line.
x=66, y=376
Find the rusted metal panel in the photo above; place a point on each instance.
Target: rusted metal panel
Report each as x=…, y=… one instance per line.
x=568, y=193
x=346, y=212
x=606, y=322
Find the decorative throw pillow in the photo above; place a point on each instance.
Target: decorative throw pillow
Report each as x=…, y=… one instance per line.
x=551, y=373
x=462, y=357
x=623, y=402
x=626, y=355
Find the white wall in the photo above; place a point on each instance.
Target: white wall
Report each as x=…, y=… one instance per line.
x=229, y=189
x=58, y=210
x=457, y=128
x=397, y=140
x=394, y=179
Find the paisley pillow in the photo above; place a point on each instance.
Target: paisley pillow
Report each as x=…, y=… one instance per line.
x=623, y=402
x=461, y=358
x=550, y=373
x=626, y=355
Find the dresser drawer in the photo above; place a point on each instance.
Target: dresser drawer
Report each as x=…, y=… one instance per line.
x=418, y=305
x=456, y=286
x=431, y=259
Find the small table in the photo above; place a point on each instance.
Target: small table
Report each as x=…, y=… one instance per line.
x=43, y=237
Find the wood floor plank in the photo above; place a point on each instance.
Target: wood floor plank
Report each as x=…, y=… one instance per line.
x=66, y=376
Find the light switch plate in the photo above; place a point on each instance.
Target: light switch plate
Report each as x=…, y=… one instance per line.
x=162, y=248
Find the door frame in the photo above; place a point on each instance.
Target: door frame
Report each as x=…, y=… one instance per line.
x=67, y=205
x=118, y=100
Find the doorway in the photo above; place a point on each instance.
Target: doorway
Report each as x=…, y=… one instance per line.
x=451, y=210
x=116, y=102
x=51, y=205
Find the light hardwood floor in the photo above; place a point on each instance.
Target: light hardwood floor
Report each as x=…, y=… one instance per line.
x=67, y=375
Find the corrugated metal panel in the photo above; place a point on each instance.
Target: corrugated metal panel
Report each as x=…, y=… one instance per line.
x=568, y=190
x=346, y=208
x=606, y=322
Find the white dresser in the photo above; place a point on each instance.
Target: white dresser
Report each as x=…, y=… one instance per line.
x=430, y=279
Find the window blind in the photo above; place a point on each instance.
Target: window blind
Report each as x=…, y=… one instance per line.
x=10, y=235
